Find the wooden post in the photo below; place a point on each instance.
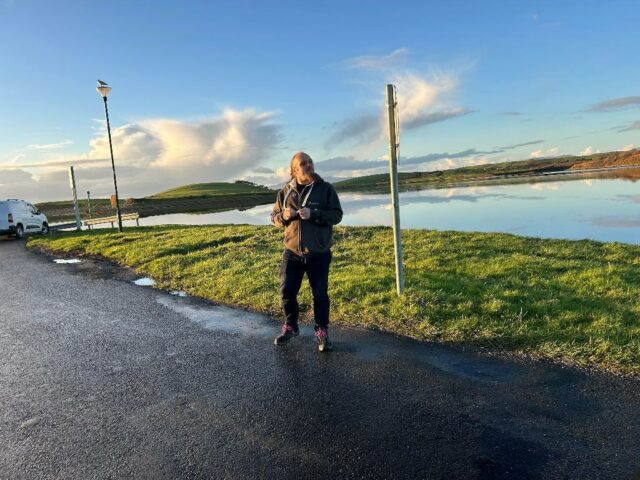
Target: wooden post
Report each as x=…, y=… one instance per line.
x=72, y=184
x=393, y=172
x=89, y=203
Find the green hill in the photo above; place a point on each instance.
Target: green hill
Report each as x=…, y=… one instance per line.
x=197, y=197
x=493, y=171
x=203, y=190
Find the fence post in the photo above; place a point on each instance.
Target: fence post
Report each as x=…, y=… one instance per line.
x=72, y=184
x=393, y=172
x=89, y=204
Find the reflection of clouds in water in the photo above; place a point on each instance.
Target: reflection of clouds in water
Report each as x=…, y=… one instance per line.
x=629, y=198
x=545, y=186
x=254, y=216
x=477, y=190
x=588, y=183
x=575, y=212
x=616, y=222
x=260, y=211
x=260, y=215
x=369, y=217
x=352, y=204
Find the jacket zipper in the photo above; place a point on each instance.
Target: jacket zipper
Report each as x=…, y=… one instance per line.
x=300, y=196
x=300, y=224
x=302, y=202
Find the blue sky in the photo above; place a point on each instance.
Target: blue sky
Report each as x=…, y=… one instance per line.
x=206, y=91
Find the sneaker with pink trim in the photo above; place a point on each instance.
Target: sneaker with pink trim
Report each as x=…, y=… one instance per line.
x=288, y=332
x=322, y=337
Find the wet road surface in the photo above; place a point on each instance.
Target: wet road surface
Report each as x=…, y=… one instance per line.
x=104, y=379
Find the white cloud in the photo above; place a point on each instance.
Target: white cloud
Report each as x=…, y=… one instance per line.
x=349, y=166
x=155, y=154
x=551, y=152
x=417, y=96
x=60, y=163
x=377, y=62
x=283, y=173
x=7, y=177
x=263, y=170
x=50, y=146
x=218, y=148
x=132, y=145
x=18, y=183
x=17, y=157
x=588, y=151
x=447, y=164
x=421, y=101
x=626, y=148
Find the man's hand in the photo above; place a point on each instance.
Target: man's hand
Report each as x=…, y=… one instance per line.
x=288, y=214
x=305, y=213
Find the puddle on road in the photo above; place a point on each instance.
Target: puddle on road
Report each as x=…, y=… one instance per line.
x=373, y=347
x=473, y=367
x=226, y=319
x=61, y=261
x=145, y=282
x=179, y=293
x=365, y=345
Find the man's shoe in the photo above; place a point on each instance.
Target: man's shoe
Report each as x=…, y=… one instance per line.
x=322, y=337
x=287, y=334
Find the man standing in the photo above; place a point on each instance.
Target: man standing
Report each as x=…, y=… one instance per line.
x=307, y=207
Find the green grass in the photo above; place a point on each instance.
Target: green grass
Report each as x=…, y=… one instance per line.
x=572, y=301
x=201, y=190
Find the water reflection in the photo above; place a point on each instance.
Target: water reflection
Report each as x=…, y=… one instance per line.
x=617, y=222
x=603, y=209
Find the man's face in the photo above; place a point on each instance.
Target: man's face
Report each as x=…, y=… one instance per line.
x=303, y=169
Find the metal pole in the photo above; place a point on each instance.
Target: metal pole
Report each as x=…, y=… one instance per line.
x=113, y=165
x=76, y=208
x=393, y=172
x=89, y=203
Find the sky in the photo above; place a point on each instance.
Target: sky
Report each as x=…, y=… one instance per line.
x=227, y=90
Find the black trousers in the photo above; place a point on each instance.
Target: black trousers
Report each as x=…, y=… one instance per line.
x=292, y=270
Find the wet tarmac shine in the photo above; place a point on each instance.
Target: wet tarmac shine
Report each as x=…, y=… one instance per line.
x=101, y=378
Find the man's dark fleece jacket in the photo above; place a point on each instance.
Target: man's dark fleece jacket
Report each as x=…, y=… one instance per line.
x=316, y=234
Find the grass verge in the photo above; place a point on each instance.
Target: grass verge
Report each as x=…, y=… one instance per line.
x=571, y=301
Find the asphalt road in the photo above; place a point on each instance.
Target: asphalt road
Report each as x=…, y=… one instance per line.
x=100, y=378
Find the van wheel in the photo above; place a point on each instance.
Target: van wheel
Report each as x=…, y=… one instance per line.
x=19, y=232
x=45, y=229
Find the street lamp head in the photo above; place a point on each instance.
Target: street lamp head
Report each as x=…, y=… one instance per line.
x=103, y=89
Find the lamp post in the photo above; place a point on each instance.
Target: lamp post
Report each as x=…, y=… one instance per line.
x=103, y=89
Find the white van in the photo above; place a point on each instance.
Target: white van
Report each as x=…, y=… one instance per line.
x=18, y=218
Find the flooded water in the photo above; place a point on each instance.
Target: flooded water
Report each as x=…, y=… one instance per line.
x=606, y=209
x=145, y=282
x=365, y=345
x=63, y=261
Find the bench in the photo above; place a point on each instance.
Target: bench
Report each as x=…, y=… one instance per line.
x=112, y=220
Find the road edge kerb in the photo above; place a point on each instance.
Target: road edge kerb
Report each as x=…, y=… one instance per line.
x=522, y=358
